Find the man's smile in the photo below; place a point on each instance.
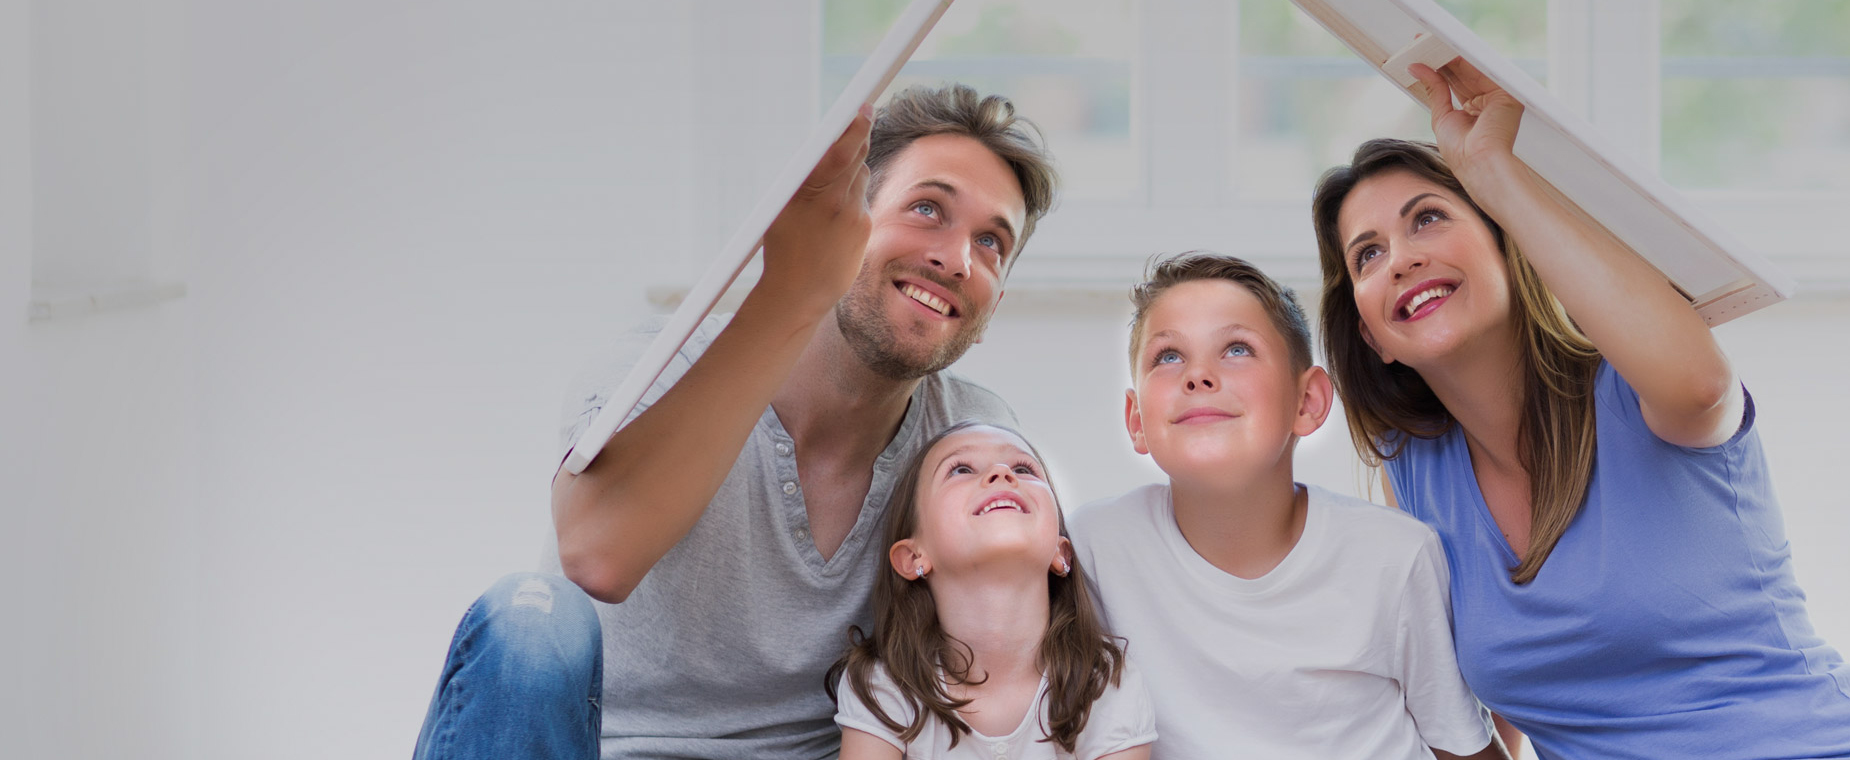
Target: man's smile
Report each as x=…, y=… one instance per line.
x=930, y=295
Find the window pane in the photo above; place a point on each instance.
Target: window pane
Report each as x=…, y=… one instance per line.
x=1306, y=102
x=1065, y=63
x=1764, y=28
x=1757, y=95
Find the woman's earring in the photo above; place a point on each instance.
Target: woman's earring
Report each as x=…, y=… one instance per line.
x=920, y=574
x=1065, y=567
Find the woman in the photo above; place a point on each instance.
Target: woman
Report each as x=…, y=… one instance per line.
x=1621, y=584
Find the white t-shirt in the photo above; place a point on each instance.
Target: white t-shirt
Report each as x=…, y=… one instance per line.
x=1120, y=719
x=1343, y=650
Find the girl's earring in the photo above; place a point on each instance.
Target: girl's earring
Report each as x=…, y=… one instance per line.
x=920, y=574
x=1065, y=567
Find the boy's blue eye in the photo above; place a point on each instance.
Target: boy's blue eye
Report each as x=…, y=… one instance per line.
x=1239, y=349
x=1168, y=357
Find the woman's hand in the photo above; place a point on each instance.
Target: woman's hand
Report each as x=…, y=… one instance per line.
x=1481, y=129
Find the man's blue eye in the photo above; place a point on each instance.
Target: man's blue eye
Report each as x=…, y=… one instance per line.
x=925, y=208
x=989, y=241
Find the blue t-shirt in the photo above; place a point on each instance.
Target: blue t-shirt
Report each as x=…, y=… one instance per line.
x=1666, y=622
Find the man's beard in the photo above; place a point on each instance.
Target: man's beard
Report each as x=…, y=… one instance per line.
x=875, y=339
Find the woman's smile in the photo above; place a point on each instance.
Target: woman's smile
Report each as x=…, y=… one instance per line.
x=1423, y=299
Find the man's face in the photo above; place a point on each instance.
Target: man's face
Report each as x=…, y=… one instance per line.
x=946, y=221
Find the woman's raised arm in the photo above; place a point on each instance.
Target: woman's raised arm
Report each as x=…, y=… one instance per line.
x=1649, y=333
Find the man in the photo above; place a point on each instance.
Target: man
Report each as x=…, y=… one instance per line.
x=729, y=529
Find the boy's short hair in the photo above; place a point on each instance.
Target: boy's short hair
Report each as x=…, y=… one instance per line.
x=1280, y=303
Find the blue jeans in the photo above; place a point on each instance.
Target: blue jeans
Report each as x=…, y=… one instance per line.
x=524, y=676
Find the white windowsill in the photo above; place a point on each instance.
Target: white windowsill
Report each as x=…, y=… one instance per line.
x=75, y=299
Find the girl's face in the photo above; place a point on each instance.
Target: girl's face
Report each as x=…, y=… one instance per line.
x=1427, y=271
x=983, y=505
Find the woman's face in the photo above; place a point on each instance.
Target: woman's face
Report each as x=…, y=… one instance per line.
x=1427, y=272
x=984, y=503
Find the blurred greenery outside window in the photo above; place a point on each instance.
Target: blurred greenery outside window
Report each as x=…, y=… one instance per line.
x=1066, y=64
x=1306, y=101
x=1303, y=102
x=1756, y=95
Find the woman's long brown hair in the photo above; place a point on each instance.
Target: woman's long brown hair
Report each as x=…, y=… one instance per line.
x=1386, y=403
x=1079, y=660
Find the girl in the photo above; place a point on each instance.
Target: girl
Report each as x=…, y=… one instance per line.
x=986, y=643
x=1621, y=584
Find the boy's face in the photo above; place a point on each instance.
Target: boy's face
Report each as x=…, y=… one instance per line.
x=1216, y=398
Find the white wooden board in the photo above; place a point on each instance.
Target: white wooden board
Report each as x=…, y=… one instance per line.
x=866, y=86
x=1720, y=277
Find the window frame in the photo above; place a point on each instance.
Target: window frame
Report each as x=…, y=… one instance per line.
x=1604, y=62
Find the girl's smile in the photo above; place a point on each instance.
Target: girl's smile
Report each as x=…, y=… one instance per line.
x=1005, y=500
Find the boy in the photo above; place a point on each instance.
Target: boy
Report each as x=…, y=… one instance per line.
x=1271, y=619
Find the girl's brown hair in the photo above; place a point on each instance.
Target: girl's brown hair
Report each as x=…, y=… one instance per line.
x=1080, y=661
x=1386, y=403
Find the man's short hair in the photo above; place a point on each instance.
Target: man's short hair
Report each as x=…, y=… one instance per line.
x=956, y=109
x=1280, y=303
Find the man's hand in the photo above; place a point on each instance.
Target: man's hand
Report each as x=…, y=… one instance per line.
x=814, y=247
x=654, y=479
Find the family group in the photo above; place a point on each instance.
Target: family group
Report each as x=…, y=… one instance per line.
x=812, y=540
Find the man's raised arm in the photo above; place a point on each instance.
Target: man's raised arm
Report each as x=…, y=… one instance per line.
x=653, y=481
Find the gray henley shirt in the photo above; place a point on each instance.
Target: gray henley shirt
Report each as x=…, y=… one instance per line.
x=720, y=651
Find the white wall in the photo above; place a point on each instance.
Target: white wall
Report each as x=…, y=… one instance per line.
x=413, y=219
x=98, y=471
x=252, y=517
x=21, y=548
x=259, y=510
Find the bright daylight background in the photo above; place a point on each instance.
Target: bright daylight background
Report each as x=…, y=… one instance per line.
x=289, y=291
